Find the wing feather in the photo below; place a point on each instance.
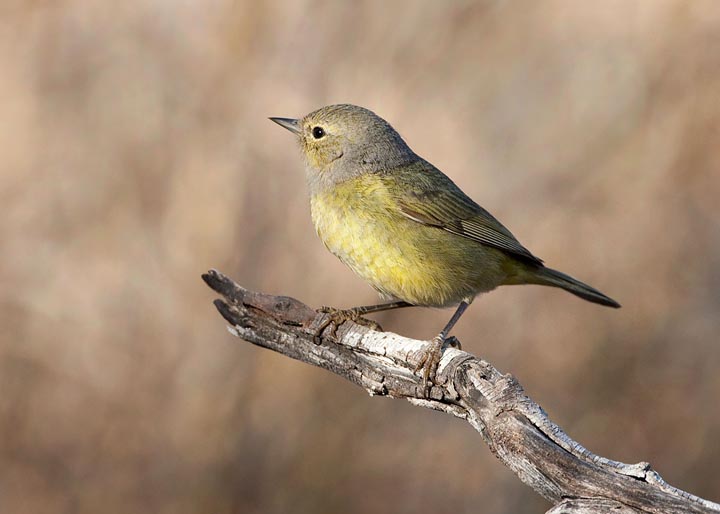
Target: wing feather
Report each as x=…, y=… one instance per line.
x=431, y=198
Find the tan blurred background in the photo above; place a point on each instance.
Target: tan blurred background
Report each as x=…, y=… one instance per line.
x=136, y=154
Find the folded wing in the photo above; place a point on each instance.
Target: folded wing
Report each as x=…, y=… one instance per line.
x=432, y=199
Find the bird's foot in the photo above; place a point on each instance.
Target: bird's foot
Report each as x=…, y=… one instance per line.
x=339, y=316
x=453, y=342
x=430, y=359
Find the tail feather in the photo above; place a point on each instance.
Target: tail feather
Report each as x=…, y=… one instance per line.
x=550, y=277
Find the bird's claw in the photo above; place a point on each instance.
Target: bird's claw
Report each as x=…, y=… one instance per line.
x=430, y=360
x=453, y=342
x=339, y=316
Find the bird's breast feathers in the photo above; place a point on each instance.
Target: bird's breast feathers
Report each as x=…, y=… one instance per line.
x=360, y=222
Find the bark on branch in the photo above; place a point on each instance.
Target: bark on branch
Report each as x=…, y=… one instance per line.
x=515, y=428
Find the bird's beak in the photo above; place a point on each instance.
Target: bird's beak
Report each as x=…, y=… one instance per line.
x=288, y=123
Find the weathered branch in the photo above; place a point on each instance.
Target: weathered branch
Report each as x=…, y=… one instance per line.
x=515, y=428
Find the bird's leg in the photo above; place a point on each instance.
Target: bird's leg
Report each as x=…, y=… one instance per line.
x=339, y=316
x=430, y=359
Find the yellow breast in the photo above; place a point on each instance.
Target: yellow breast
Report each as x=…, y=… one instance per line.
x=359, y=222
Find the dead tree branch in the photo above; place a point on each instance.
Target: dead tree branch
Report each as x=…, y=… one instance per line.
x=515, y=428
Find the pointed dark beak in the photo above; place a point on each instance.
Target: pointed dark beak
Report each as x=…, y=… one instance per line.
x=288, y=123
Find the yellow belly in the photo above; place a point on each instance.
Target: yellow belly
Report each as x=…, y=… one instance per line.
x=359, y=223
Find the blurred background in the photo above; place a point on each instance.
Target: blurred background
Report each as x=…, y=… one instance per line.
x=137, y=154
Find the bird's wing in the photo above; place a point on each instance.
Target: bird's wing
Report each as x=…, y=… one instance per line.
x=428, y=196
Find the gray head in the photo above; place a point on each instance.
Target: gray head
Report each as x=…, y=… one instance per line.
x=343, y=141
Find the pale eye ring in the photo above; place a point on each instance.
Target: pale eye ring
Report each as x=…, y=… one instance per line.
x=318, y=132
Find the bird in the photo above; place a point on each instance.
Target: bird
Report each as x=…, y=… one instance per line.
x=405, y=227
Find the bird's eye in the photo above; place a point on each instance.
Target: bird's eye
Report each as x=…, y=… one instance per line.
x=318, y=132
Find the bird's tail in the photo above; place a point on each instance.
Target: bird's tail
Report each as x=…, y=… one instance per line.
x=550, y=277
